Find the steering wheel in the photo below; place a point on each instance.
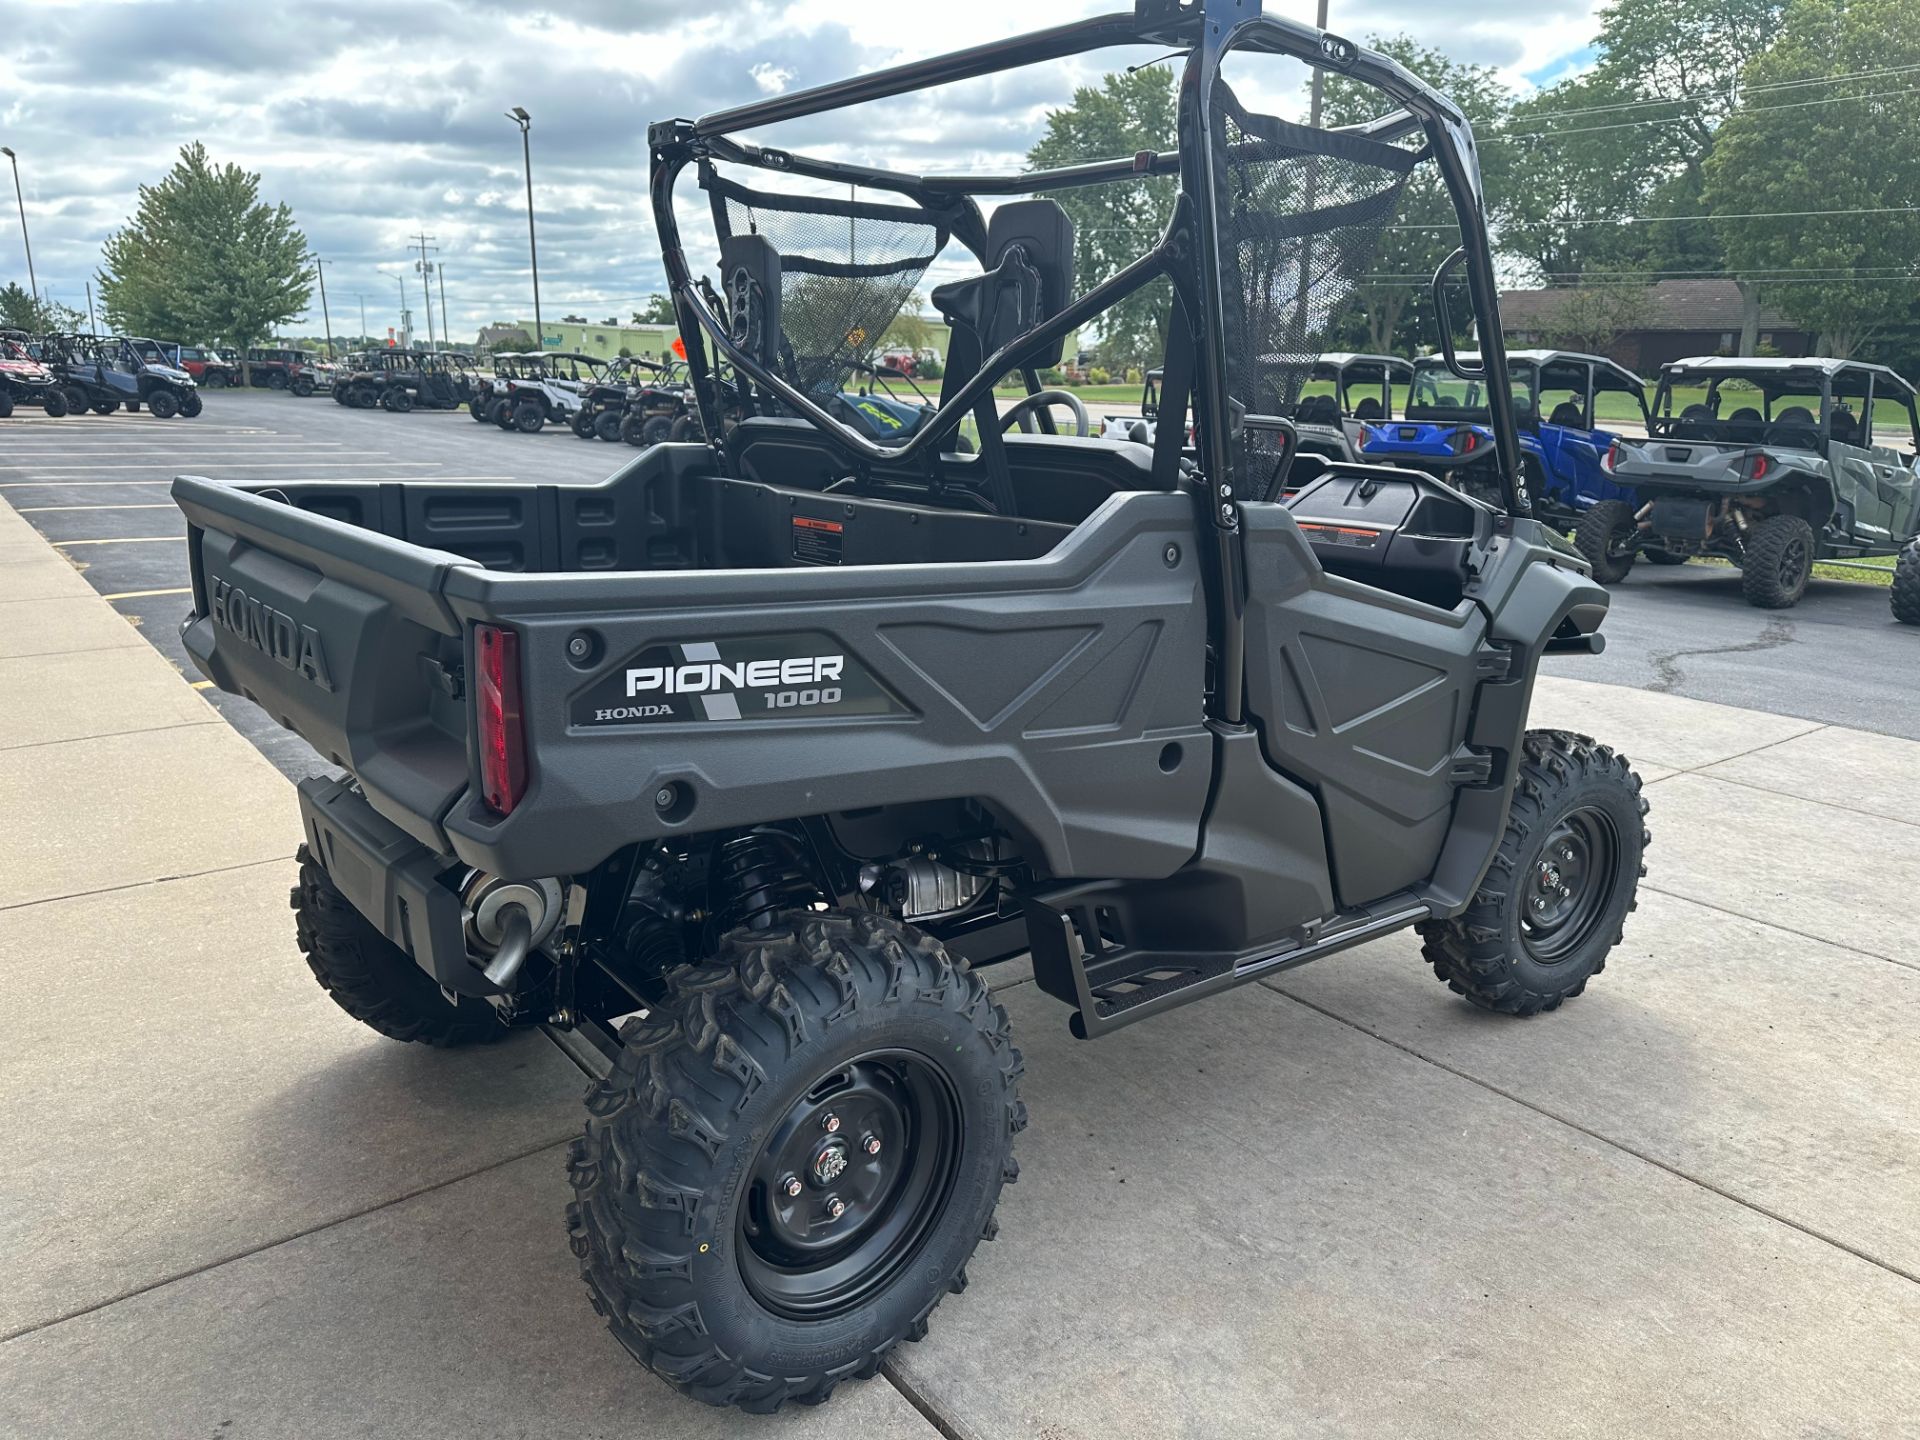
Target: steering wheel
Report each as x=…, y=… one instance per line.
x=1023, y=412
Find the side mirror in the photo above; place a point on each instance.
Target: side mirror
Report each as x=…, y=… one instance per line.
x=1443, y=318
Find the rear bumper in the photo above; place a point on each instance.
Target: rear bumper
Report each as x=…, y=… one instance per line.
x=391, y=879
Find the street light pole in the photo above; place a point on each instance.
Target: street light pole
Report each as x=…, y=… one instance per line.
x=320, y=269
x=20, y=200
x=525, y=121
x=406, y=322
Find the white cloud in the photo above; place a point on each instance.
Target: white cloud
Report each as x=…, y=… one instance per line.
x=374, y=120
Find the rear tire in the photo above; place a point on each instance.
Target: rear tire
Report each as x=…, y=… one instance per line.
x=478, y=409
x=163, y=404
x=657, y=431
x=1778, y=563
x=302, y=386
x=632, y=430
x=371, y=978
x=398, y=400
x=1606, y=536
x=105, y=407
x=276, y=381
x=528, y=419
x=1566, y=875
x=606, y=426
x=502, y=414
x=581, y=424
x=701, y=1266
x=1906, y=585
x=215, y=380
x=78, y=401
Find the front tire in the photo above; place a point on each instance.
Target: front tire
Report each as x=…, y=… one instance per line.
x=303, y=386
x=191, y=404
x=214, y=380
x=1778, y=563
x=163, y=404
x=371, y=978
x=105, y=407
x=55, y=403
x=1607, y=536
x=398, y=400
x=847, y=1056
x=276, y=381
x=1906, y=585
x=1566, y=875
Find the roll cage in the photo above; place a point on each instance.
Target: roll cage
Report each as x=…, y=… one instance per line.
x=1203, y=247
x=1870, y=388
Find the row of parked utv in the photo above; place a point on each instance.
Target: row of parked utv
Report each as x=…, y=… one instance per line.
x=1771, y=464
x=74, y=374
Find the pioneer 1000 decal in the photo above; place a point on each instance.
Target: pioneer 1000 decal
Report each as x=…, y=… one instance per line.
x=758, y=677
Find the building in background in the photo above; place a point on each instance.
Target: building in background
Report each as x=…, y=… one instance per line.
x=1667, y=321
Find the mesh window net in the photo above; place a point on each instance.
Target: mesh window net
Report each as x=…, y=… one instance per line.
x=847, y=268
x=1301, y=213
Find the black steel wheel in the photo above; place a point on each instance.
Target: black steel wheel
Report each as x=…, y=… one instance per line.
x=1608, y=537
x=846, y=1187
x=528, y=417
x=1778, y=562
x=1555, y=899
x=795, y=1157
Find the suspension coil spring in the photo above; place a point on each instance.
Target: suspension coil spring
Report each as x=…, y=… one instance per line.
x=755, y=875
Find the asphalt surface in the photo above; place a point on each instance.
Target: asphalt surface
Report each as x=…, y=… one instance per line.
x=96, y=488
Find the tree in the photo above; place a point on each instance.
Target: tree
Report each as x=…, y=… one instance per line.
x=19, y=310
x=1855, y=272
x=1589, y=318
x=205, y=259
x=657, y=311
x=1116, y=224
x=1425, y=229
x=1629, y=140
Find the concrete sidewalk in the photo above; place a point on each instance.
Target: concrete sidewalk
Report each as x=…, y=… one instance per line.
x=1341, y=1204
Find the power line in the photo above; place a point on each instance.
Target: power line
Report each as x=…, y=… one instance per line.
x=1664, y=219
x=1698, y=95
x=1510, y=137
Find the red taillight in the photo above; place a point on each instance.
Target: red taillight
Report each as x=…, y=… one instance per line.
x=1611, y=458
x=1761, y=465
x=503, y=745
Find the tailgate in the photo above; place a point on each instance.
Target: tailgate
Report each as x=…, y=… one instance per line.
x=341, y=635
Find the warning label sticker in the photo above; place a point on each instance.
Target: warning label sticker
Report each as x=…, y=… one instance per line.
x=817, y=542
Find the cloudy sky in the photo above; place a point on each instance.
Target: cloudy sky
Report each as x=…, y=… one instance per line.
x=375, y=119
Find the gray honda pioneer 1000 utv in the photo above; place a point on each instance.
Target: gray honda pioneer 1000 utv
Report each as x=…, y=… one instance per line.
x=732, y=770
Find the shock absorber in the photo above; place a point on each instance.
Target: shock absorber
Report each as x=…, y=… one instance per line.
x=754, y=875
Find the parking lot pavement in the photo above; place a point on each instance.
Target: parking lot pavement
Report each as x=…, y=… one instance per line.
x=1341, y=1203
x=96, y=487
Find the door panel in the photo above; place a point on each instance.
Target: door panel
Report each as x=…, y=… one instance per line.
x=1363, y=696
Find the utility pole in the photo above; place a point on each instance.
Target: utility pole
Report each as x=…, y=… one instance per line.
x=525, y=121
x=20, y=200
x=93, y=325
x=320, y=269
x=425, y=267
x=445, y=333
x=1319, y=75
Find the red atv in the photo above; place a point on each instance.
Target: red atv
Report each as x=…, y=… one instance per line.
x=24, y=380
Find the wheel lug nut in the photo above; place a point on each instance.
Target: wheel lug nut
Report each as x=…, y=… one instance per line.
x=836, y=1207
x=1565, y=893
x=830, y=1123
x=871, y=1144
x=1540, y=902
x=790, y=1187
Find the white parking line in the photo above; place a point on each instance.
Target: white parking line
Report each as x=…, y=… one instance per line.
x=50, y=509
x=124, y=540
x=237, y=465
x=285, y=479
